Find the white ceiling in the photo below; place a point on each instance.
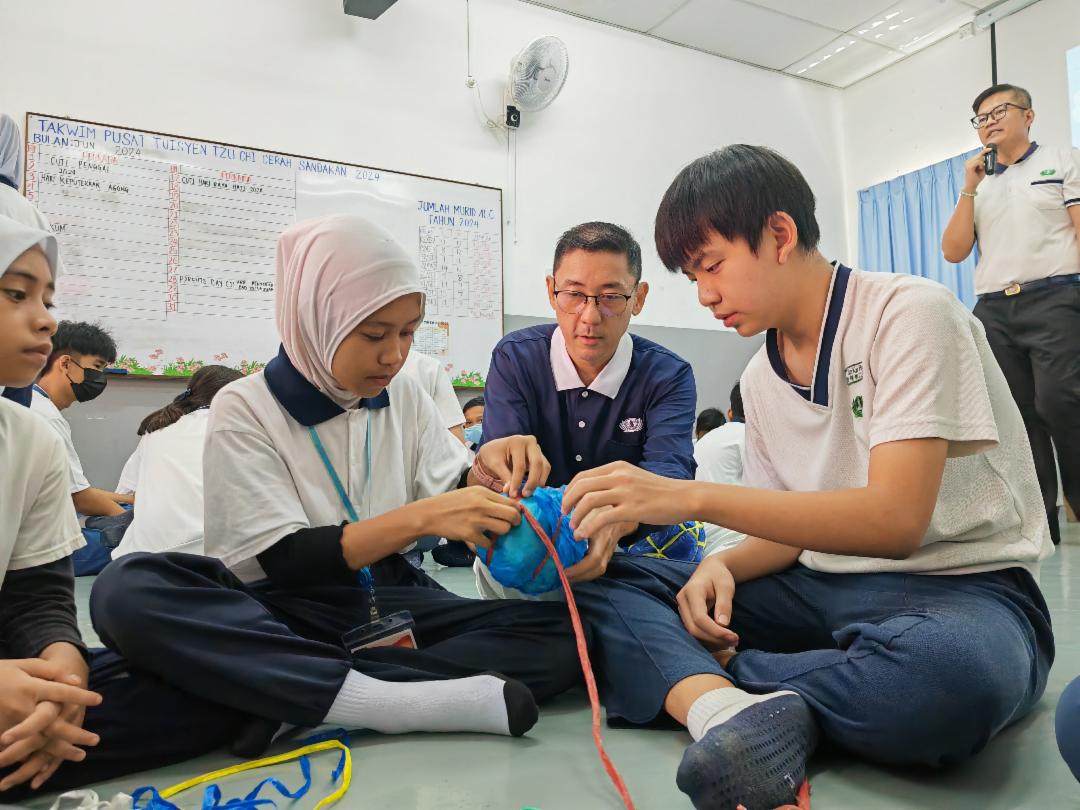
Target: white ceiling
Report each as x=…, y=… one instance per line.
x=835, y=42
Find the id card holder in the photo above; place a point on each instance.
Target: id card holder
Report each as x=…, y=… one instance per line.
x=395, y=630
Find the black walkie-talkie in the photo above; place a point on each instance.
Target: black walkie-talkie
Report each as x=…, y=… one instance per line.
x=990, y=159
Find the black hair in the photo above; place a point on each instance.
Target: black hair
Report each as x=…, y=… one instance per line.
x=77, y=337
x=1018, y=93
x=737, y=413
x=472, y=403
x=732, y=191
x=202, y=387
x=709, y=419
x=597, y=237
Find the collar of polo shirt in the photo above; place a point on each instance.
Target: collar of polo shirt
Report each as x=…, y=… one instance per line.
x=607, y=382
x=1000, y=168
x=304, y=402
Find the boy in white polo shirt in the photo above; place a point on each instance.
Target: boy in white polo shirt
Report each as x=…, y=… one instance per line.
x=893, y=607
x=76, y=373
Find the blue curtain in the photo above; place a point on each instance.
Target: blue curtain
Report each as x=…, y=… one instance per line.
x=901, y=222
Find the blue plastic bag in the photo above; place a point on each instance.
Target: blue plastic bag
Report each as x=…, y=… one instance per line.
x=520, y=560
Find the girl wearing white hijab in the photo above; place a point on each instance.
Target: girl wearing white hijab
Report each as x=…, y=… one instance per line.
x=71, y=716
x=15, y=205
x=317, y=474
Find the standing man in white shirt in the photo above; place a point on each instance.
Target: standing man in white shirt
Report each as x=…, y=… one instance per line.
x=1025, y=216
x=76, y=373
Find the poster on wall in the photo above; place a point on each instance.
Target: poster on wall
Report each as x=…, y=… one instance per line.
x=169, y=243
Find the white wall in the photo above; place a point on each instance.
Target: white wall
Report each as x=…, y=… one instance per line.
x=916, y=113
x=300, y=76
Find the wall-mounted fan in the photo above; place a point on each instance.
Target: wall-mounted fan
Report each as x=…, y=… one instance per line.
x=537, y=74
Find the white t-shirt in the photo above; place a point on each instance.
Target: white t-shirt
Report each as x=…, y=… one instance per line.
x=166, y=474
x=436, y=383
x=129, y=475
x=901, y=358
x=719, y=456
x=38, y=524
x=1022, y=220
x=264, y=478
x=42, y=405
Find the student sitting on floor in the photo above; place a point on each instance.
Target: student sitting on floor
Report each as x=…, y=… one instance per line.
x=719, y=455
x=53, y=731
x=166, y=470
x=708, y=420
x=436, y=383
x=590, y=392
x=886, y=597
x=317, y=473
x=76, y=373
x=473, y=411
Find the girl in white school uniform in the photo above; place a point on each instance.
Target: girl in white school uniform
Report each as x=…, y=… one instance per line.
x=166, y=470
x=69, y=716
x=316, y=475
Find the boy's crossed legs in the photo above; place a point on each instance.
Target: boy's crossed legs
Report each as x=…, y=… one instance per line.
x=902, y=669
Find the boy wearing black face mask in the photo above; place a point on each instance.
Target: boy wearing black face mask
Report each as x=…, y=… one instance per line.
x=75, y=373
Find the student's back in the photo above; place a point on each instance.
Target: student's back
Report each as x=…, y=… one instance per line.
x=166, y=470
x=168, y=484
x=719, y=455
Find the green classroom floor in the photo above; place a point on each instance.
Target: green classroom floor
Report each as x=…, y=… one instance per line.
x=555, y=767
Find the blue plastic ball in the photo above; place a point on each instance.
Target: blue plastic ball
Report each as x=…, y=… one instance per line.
x=519, y=553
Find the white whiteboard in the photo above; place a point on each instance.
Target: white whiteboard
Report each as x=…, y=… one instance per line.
x=169, y=242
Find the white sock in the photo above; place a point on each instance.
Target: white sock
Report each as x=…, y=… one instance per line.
x=463, y=704
x=720, y=705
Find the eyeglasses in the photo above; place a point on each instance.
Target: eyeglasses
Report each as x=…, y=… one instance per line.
x=611, y=305
x=996, y=114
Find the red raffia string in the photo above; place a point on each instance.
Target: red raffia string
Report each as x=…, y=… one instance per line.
x=803, y=796
x=583, y=654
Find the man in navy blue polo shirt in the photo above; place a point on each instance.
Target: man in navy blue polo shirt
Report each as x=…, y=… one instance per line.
x=586, y=389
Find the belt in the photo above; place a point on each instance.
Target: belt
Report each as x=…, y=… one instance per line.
x=1016, y=289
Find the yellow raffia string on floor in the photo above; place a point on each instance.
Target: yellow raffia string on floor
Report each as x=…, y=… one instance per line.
x=346, y=774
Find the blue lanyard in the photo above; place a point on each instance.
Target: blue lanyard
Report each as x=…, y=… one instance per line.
x=364, y=574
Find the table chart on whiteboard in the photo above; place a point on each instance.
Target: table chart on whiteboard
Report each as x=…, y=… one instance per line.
x=458, y=269
x=169, y=243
